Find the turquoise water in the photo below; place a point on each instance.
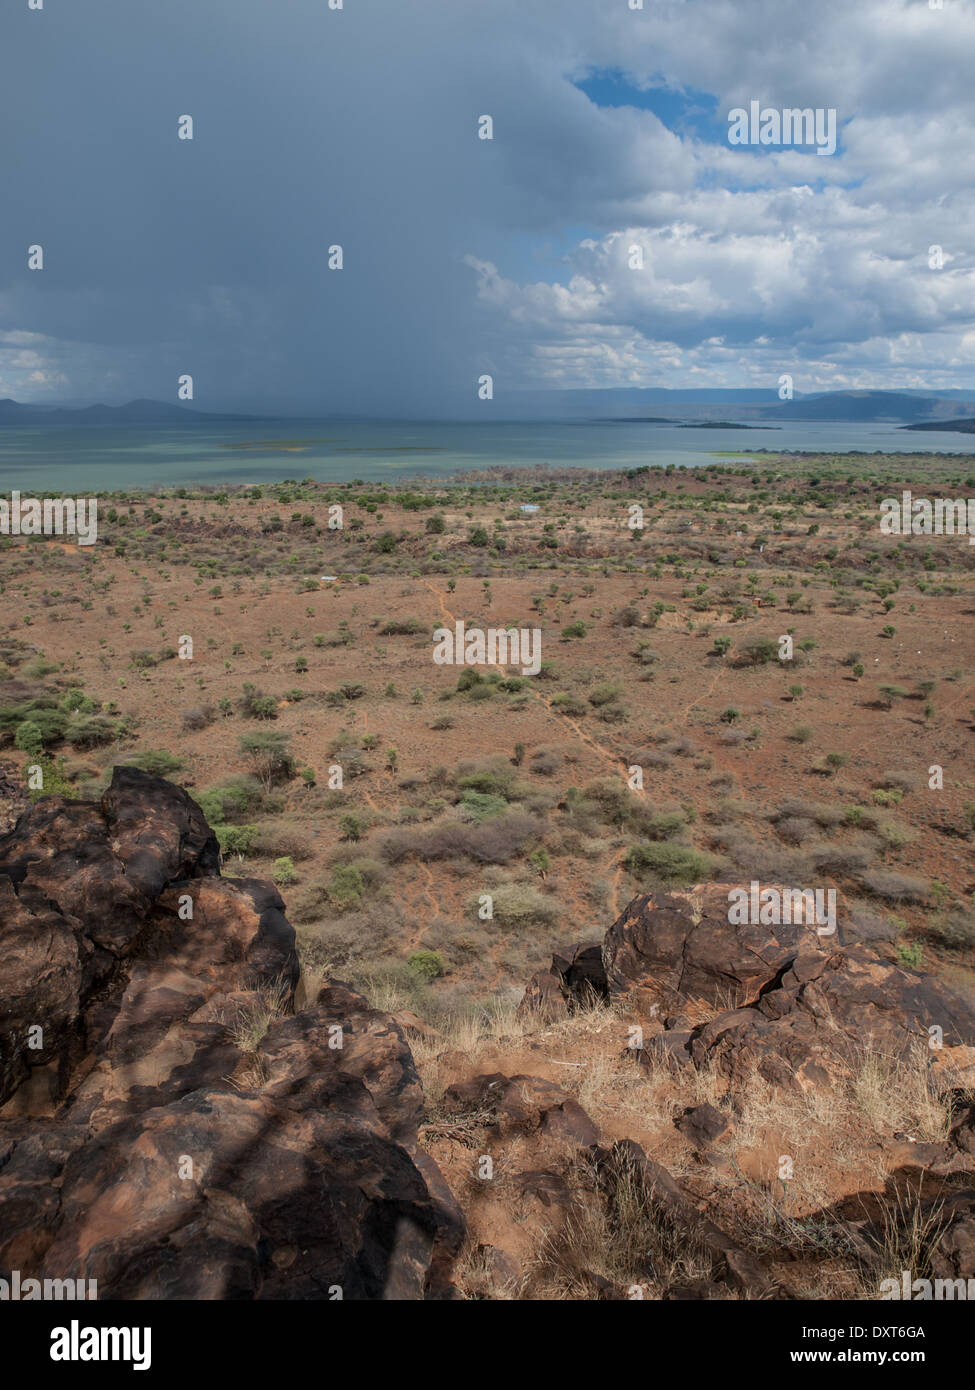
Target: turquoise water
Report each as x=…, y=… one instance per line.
x=94, y=459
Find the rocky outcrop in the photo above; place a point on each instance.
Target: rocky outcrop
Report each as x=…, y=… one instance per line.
x=786, y=1000
x=14, y=798
x=573, y=980
x=526, y=1104
x=170, y=1127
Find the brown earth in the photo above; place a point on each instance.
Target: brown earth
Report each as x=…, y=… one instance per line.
x=89, y=611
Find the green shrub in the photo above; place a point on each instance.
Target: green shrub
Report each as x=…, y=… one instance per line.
x=673, y=864
x=758, y=652
x=400, y=627
x=493, y=777
x=239, y=797
x=28, y=739
x=43, y=711
x=351, y=827
x=567, y=704
x=345, y=887
x=522, y=905
x=268, y=753
x=89, y=731
x=604, y=694
x=157, y=761
x=955, y=930
x=236, y=839
x=483, y=805
x=254, y=705
x=283, y=871
x=77, y=702
x=428, y=965
x=54, y=781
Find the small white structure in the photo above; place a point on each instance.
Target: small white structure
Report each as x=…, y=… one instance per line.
x=329, y=578
x=529, y=507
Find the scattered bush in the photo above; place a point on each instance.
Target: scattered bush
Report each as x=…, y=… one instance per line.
x=159, y=762
x=494, y=842
x=672, y=864
x=428, y=965
x=283, y=871
x=236, y=839
x=198, y=717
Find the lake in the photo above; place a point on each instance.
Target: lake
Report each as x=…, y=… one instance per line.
x=95, y=458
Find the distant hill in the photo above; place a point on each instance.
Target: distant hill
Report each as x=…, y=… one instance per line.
x=866, y=405
x=725, y=425
x=746, y=404
x=693, y=410
x=943, y=410
x=142, y=412
x=955, y=426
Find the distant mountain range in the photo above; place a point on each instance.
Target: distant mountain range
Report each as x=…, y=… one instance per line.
x=142, y=412
x=943, y=410
x=701, y=404
x=869, y=405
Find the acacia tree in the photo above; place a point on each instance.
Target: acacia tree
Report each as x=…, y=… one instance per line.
x=269, y=755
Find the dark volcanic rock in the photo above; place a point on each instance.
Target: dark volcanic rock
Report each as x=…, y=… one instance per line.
x=528, y=1104
x=794, y=1004
x=730, y=1263
x=703, y=1125
x=575, y=979
x=169, y=1126
x=678, y=946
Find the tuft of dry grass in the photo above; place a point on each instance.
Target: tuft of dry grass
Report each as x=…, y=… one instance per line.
x=909, y=1231
x=623, y=1237
x=900, y=1093
x=253, y=1018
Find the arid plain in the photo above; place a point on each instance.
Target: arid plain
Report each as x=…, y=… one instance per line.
x=438, y=831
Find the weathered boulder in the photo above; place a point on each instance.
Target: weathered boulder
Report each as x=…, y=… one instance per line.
x=953, y=1254
x=788, y=1001
x=571, y=980
x=526, y=1104
x=87, y=890
x=704, y=1125
x=169, y=1126
x=502, y=1267
x=962, y=1134
x=668, y=948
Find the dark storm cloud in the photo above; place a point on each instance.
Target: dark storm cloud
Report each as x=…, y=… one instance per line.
x=358, y=127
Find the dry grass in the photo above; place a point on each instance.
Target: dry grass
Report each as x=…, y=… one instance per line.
x=624, y=1238
x=252, y=1019
x=903, y=1094
x=910, y=1230
x=837, y=1137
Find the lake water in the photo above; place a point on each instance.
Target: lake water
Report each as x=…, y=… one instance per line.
x=94, y=458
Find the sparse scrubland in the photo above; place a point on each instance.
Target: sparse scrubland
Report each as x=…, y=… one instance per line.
x=438, y=831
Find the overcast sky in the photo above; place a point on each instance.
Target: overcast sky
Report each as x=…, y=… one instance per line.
x=464, y=256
